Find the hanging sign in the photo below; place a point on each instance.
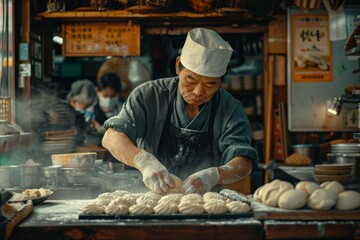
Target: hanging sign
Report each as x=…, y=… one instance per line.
x=311, y=49
x=101, y=39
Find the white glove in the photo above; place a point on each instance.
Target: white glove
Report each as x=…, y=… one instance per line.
x=202, y=181
x=155, y=175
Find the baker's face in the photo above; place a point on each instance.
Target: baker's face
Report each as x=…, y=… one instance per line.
x=194, y=88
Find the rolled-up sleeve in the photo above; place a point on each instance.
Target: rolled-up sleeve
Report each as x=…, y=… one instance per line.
x=235, y=139
x=126, y=121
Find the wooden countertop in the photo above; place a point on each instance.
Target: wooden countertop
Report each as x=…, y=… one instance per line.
x=58, y=219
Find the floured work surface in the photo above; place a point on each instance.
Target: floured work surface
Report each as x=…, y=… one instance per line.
x=262, y=212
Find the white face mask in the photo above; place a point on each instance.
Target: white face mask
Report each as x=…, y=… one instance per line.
x=108, y=103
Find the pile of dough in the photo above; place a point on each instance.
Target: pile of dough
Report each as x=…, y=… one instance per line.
x=322, y=199
x=171, y=198
x=307, y=187
x=215, y=206
x=348, y=200
x=292, y=199
x=237, y=207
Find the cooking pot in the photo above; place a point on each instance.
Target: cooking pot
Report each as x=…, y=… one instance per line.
x=353, y=158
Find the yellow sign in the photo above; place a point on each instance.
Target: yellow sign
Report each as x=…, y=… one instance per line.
x=311, y=49
x=101, y=39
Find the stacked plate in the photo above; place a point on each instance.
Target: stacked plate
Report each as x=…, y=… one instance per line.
x=346, y=148
x=333, y=172
x=59, y=141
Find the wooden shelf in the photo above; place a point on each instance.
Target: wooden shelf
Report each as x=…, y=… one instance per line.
x=216, y=19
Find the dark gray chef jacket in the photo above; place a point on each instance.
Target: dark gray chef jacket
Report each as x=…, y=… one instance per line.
x=144, y=113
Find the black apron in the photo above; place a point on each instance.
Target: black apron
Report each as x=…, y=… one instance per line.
x=185, y=151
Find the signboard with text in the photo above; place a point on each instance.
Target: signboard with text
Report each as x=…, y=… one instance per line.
x=101, y=39
x=311, y=49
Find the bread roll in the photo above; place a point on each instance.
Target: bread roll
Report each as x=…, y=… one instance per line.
x=322, y=199
x=348, y=200
x=271, y=196
x=292, y=199
x=307, y=187
x=261, y=190
x=333, y=186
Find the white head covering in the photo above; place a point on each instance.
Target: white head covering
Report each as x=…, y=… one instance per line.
x=205, y=53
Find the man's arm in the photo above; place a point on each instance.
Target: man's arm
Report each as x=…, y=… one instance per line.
x=120, y=146
x=235, y=170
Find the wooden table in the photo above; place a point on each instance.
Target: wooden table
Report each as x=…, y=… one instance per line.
x=307, y=223
x=58, y=219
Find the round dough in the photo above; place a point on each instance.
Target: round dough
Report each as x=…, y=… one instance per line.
x=292, y=199
x=215, y=206
x=166, y=208
x=333, y=186
x=117, y=209
x=322, y=199
x=188, y=207
x=307, y=187
x=140, y=209
x=238, y=207
x=348, y=200
x=261, y=190
x=94, y=209
x=212, y=195
x=271, y=196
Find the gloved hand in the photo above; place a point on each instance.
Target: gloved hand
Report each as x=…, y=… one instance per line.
x=155, y=175
x=202, y=181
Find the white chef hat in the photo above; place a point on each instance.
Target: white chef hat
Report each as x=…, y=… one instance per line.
x=205, y=53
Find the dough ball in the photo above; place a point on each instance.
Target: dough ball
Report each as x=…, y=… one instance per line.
x=348, y=200
x=333, y=186
x=271, y=196
x=307, y=187
x=215, y=206
x=322, y=199
x=258, y=195
x=238, y=207
x=292, y=199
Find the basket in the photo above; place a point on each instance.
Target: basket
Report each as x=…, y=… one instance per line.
x=202, y=6
x=259, y=7
x=5, y=109
x=151, y=6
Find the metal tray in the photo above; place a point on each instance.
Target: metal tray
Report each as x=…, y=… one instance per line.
x=175, y=216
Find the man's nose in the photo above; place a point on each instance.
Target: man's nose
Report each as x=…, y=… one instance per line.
x=199, y=89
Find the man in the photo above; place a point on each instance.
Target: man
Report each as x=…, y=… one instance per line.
x=185, y=125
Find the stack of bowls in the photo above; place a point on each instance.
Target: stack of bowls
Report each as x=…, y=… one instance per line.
x=344, y=153
x=333, y=172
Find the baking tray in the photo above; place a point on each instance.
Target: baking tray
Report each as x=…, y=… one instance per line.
x=175, y=216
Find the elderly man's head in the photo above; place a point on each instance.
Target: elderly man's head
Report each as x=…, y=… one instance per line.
x=82, y=94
